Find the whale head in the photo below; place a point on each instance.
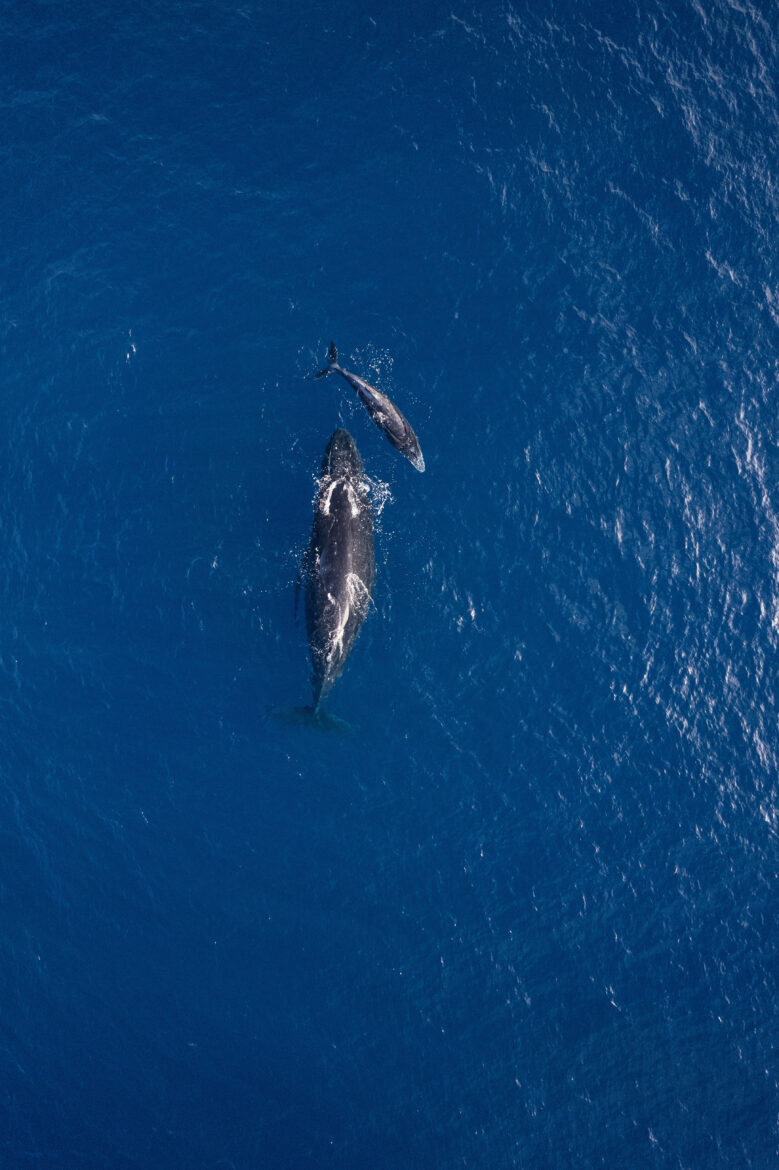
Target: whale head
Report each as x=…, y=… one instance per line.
x=341, y=456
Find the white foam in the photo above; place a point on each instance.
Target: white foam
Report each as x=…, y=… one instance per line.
x=379, y=491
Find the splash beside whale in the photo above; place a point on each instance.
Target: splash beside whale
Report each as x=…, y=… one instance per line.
x=384, y=413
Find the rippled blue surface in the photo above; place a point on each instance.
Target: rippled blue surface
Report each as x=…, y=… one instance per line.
x=524, y=913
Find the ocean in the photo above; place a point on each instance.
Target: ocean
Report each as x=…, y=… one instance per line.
x=518, y=909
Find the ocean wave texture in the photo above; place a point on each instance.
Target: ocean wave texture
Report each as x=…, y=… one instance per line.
x=517, y=908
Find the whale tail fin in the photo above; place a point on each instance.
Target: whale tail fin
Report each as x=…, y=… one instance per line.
x=310, y=717
x=332, y=359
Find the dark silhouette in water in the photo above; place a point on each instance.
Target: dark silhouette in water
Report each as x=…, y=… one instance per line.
x=339, y=568
x=384, y=413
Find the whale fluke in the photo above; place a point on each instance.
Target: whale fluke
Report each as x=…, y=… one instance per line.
x=311, y=717
x=332, y=358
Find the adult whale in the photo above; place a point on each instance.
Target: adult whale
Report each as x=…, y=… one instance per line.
x=339, y=567
x=384, y=413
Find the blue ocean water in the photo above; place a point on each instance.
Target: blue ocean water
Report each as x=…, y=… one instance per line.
x=523, y=913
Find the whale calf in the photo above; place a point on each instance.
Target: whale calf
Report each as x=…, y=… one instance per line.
x=384, y=413
x=339, y=567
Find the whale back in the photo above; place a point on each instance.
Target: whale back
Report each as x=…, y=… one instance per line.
x=340, y=563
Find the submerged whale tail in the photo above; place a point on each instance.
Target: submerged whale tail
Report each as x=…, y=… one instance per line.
x=332, y=359
x=311, y=717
